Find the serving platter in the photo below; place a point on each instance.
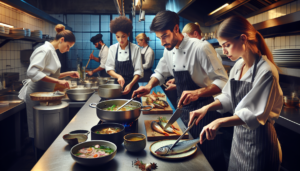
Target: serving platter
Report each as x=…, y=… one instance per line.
x=156, y=145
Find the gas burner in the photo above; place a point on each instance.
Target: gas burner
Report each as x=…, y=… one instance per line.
x=130, y=127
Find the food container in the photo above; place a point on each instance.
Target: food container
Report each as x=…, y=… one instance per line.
x=79, y=94
x=290, y=102
x=93, y=161
x=110, y=91
x=119, y=116
x=116, y=138
x=134, y=145
x=84, y=132
x=74, y=139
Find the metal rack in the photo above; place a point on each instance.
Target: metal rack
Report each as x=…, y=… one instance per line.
x=10, y=37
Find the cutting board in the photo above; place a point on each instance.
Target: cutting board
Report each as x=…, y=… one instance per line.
x=166, y=110
x=154, y=136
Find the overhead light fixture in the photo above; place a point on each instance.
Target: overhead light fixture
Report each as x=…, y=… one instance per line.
x=6, y=25
x=218, y=9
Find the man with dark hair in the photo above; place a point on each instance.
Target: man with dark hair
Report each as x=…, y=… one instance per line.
x=98, y=42
x=198, y=73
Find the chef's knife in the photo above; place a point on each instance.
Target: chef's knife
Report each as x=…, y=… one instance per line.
x=174, y=117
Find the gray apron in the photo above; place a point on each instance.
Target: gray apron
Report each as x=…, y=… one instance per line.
x=147, y=72
x=39, y=86
x=212, y=150
x=252, y=150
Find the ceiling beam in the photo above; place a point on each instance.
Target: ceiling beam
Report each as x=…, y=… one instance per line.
x=265, y=2
x=210, y=20
x=276, y=4
x=251, y=7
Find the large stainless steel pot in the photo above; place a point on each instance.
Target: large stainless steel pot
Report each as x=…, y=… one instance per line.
x=79, y=94
x=119, y=116
x=102, y=80
x=110, y=91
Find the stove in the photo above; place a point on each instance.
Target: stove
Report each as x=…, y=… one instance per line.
x=130, y=127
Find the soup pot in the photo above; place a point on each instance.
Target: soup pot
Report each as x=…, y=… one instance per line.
x=119, y=116
x=110, y=91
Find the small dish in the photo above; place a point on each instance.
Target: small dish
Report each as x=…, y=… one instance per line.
x=135, y=142
x=74, y=139
x=84, y=132
x=290, y=102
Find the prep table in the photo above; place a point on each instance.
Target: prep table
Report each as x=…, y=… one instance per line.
x=58, y=157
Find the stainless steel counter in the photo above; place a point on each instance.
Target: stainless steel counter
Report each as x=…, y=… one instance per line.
x=58, y=157
x=290, y=118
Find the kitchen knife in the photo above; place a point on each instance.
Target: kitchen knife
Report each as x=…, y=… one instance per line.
x=174, y=117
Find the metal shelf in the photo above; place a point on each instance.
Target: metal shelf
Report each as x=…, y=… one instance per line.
x=9, y=37
x=295, y=72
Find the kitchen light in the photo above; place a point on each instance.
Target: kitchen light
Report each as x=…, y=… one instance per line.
x=2, y=24
x=218, y=9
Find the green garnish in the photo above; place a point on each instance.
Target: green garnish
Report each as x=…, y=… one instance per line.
x=162, y=119
x=109, y=150
x=78, y=154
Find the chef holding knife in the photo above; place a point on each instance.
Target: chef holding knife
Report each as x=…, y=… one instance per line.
x=253, y=94
x=198, y=74
x=98, y=42
x=124, y=60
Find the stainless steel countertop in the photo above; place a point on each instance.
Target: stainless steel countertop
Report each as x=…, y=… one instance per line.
x=11, y=109
x=58, y=157
x=290, y=118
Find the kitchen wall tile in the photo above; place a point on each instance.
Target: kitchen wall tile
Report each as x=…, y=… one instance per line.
x=298, y=40
x=287, y=41
x=277, y=41
x=292, y=40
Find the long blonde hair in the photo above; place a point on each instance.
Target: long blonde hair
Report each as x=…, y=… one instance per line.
x=233, y=27
x=191, y=27
x=142, y=36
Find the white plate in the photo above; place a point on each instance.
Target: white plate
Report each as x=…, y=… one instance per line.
x=156, y=145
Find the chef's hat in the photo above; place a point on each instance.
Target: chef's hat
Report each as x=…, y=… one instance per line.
x=96, y=38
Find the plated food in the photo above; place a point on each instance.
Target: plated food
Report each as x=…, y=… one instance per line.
x=180, y=147
x=156, y=102
x=109, y=130
x=94, y=151
x=159, y=127
x=157, y=147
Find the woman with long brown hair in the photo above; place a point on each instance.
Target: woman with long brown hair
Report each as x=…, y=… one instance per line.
x=254, y=96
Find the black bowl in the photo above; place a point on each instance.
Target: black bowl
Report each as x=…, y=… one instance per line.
x=93, y=161
x=116, y=138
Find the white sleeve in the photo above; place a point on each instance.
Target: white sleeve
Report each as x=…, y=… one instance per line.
x=148, y=59
x=38, y=61
x=161, y=71
x=261, y=101
x=225, y=99
x=110, y=62
x=137, y=63
x=103, y=57
x=212, y=65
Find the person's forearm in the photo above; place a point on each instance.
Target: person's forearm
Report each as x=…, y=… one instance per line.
x=50, y=79
x=113, y=74
x=97, y=69
x=64, y=74
x=231, y=121
x=153, y=82
x=135, y=79
x=96, y=59
x=208, y=91
x=216, y=105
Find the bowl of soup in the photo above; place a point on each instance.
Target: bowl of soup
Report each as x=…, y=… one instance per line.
x=94, y=153
x=112, y=132
x=134, y=142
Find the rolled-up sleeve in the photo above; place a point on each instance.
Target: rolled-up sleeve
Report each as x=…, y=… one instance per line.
x=161, y=71
x=103, y=57
x=137, y=63
x=38, y=62
x=212, y=65
x=225, y=99
x=110, y=62
x=255, y=108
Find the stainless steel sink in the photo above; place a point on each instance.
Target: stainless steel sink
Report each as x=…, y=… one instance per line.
x=10, y=99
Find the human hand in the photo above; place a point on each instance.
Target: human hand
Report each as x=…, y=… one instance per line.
x=74, y=74
x=121, y=81
x=187, y=97
x=171, y=81
x=199, y=114
x=127, y=89
x=210, y=130
x=170, y=87
x=141, y=91
x=64, y=83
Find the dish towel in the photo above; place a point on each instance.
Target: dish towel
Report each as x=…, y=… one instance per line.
x=22, y=93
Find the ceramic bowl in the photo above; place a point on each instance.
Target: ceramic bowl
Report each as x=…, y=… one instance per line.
x=134, y=145
x=73, y=139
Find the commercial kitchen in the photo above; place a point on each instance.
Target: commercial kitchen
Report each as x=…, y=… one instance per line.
x=213, y=85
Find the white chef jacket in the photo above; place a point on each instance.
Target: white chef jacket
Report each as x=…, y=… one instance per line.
x=43, y=62
x=263, y=102
x=123, y=55
x=195, y=56
x=149, y=57
x=219, y=57
x=103, y=55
